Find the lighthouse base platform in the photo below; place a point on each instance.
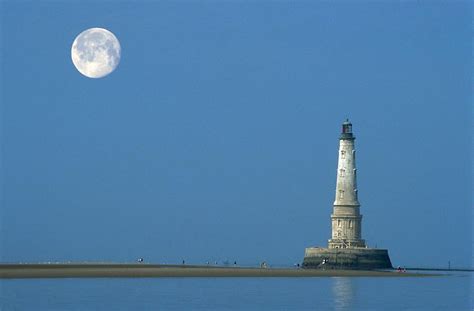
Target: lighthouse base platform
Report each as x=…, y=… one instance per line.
x=346, y=258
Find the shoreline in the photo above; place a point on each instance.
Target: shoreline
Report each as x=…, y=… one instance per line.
x=94, y=270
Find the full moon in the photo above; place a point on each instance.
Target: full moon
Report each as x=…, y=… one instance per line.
x=95, y=52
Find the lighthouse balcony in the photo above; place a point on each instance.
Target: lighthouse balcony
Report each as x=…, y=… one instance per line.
x=346, y=243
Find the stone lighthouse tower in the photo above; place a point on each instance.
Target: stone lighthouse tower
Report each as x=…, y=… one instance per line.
x=346, y=248
x=346, y=218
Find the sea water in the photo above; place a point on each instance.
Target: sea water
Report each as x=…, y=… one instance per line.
x=449, y=292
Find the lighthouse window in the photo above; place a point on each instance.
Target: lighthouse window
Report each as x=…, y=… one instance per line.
x=338, y=222
x=350, y=223
x=341, y=194
x=342, y=172
x=343, y=154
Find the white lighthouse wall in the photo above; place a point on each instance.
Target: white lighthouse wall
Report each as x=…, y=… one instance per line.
x=346, y=185
x=346, y=219
x=346, y=228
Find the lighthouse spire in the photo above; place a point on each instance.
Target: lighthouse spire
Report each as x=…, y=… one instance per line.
x=346, y=218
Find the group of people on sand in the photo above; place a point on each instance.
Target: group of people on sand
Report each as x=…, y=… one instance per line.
x=226, y=263
x=140, y=260
x=400, y=269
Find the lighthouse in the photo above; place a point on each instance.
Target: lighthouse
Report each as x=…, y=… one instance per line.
x=346, y=219
x=346, y=248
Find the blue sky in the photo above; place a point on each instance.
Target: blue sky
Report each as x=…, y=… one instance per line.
x=216, y=137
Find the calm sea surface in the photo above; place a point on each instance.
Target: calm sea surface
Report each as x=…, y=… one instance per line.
x=433, y=293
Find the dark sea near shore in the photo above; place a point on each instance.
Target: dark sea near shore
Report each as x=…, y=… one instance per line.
x=450, y=292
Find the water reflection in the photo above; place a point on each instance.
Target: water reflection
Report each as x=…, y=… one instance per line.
x=343, y=293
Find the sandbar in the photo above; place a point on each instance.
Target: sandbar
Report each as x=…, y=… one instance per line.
x=141, y=270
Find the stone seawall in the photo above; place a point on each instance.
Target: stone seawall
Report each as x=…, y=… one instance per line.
x=346, y=258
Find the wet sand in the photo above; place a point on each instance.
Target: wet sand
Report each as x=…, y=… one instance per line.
x=8, y=271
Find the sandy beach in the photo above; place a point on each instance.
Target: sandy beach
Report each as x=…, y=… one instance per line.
x=151, y=270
